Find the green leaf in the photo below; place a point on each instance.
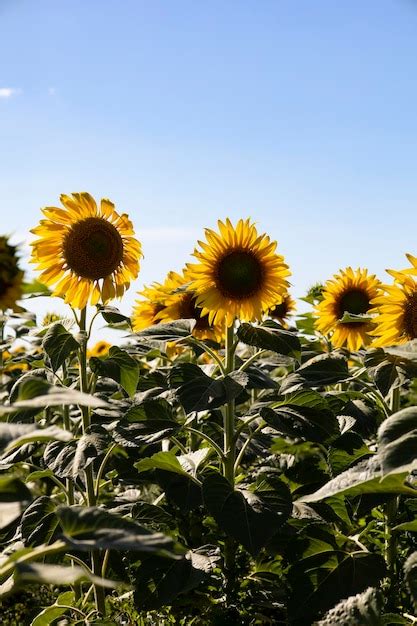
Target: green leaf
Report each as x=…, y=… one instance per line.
x=242, y=515
x=388, y=375
x=59, y=457
x=159, y=582
x=164, y=461
x=302, y=421
x=59, y=344
x=46, y=574
x=353, y=318
x=197, y=391
x=324, y=369
x=365, y=477
x=270, y=336
x=321, y=581
x=112, y=315
x=170, y=331
x=397, y=425
x=363, y=609
x=14, y=498
x=90, y=447
x=48, y=615
x=119, y=366
x=135, y=435
x=39, y=522
x=35, y=288
x=50, y=433
x=37, y=393
x=410, y=576
x=153, y=516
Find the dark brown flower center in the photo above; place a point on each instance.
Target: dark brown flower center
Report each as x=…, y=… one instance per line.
x=189, y=310
x=280, y=311
x=239, y=275
x=93, y=248
x=354, y=301
x=410, y=316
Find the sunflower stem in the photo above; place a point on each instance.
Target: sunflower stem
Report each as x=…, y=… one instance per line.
x=229, y=452
x=391, y=509
x=88, y=471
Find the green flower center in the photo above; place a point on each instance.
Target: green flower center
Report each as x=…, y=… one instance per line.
x=93, y=248
x=239, y=275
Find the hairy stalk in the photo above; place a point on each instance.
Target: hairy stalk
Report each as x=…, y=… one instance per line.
x=229, y=452
x=391, y=510
x=88, y=471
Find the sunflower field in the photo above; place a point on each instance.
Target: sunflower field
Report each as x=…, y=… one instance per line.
x=230, y=461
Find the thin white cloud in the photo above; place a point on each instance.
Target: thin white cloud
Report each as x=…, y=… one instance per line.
x=8, y=92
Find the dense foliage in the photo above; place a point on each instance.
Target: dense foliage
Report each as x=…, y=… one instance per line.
x=320, y=526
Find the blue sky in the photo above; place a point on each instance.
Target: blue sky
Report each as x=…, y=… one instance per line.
x=299, y=114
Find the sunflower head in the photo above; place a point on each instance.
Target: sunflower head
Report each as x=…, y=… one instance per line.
x=181, y=303
x=86, y=250
x=282, y=311
x=238, y=274
x=100, y=349
x=11, y=277
x=348, y=292
x=396, y=309
x=148, y=307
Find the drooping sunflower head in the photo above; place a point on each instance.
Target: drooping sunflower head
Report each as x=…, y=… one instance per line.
x=11, y=277
x=282, y=311
x=238, y=274
x=86, y=250
x=396, y=308
x=148, y=307
x=348, y=292
x=181, y=303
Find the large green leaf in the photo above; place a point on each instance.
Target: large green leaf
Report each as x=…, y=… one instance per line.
x=184, y=465
x=87, y=528
x=158, y=582
x=59, y=344
x=37, y=393
x=39, y=522
x=364, y=477
x=321, y=581
x=14, y=498
x=270, y=336
x=241, y=515
x=119, y=366
x=323, y=369
x=197, y=391
x=171, y=331
x=49, y=614
x=302, y=422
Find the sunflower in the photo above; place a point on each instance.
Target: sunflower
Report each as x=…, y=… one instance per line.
x=282, y=311
x=100, y=349
x=348, y=292
x=11, y=277
x=396, y=320
x=148, y=306
x=238, y=274
x=182, y=304
x=87, y=251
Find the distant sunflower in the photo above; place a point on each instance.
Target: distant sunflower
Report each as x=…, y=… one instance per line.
x=396, y=322
x=281, y=312
x=11, y=277
x=182, y=304
x=100, y=349
x=87, y=251
x=147, y=308
x=238, y=274
x=348, y=292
